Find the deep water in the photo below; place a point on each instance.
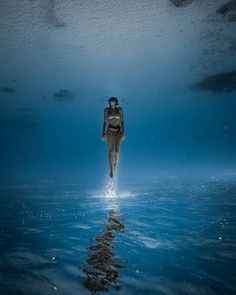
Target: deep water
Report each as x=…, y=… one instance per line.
x=159, y=237
x=167, y=224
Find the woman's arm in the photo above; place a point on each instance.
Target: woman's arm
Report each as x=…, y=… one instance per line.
x=122, y=120
x=105, y=121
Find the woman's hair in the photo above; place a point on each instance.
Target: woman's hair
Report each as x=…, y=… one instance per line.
x=113, y=99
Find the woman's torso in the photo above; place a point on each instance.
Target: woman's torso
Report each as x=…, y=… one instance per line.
x=113, y=118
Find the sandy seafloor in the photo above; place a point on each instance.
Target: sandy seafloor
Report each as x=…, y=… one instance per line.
x=179, y=237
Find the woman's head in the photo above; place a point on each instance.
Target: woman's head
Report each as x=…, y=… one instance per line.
x=113, y=101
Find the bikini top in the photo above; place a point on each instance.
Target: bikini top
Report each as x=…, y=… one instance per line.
x=116, y=116
x=113, y=116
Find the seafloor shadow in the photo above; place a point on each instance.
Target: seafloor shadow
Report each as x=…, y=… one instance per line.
x=102, y=269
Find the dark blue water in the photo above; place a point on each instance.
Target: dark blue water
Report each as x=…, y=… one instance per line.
x=171, y=237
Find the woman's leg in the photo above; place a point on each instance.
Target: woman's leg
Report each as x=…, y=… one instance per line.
x=117, y=150
x=110, y=142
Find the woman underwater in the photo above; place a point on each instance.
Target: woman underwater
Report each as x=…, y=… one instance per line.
x=114, y=118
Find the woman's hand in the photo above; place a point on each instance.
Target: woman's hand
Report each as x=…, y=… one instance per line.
x=122, y=134
x=104, y=136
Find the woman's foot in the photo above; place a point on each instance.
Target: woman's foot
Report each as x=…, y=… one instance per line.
x=111, y=173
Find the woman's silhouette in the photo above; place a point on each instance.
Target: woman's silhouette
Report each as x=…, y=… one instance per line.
x=114, y=118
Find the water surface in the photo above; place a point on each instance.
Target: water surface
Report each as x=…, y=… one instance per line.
x=166, y=237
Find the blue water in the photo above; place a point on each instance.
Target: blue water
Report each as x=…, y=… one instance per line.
x=177, y=237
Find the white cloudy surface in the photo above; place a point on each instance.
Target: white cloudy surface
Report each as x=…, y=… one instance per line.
x=103, y=46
